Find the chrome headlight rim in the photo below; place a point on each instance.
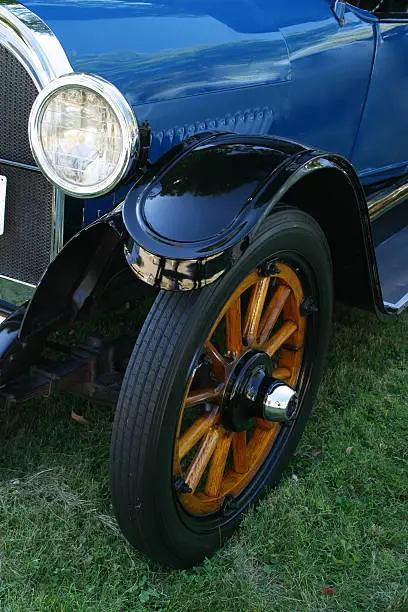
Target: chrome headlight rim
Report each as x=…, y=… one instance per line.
x=123, y=112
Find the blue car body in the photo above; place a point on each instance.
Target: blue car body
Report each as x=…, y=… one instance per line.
x=249, y=67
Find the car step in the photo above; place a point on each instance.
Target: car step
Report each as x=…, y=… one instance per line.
x=392, y=258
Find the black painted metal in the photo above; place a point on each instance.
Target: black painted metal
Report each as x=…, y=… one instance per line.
x=204, y=199
x=89, y=276
x=16, y=355
x=195, y=212
x=6, y=308
x=241, y=402
x=92, y=269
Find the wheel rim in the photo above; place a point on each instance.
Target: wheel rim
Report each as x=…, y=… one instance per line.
x=213, y=463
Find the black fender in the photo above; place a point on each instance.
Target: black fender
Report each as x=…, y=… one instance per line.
x=87, y=277
x=193, y=214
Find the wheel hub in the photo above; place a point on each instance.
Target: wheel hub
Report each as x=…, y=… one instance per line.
x=252, y=392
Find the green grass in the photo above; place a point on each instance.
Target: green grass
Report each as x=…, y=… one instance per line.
x=338, y=519
x=15, y=293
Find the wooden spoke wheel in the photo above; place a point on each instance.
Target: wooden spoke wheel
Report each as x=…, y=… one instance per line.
x=262, y=317
x=218, y=391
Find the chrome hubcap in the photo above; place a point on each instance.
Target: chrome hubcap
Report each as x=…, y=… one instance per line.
x=251, y=392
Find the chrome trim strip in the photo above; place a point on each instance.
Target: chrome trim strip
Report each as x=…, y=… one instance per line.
x=57, y=238
x=32, y=42
x=39, y=51
x=386, y=199
x=7, y=162
x=2, y=319
x=3, y=193
x=399, y=306
x=17, y=282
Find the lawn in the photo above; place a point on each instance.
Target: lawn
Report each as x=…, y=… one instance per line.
x=332, y=536
x=13, y=292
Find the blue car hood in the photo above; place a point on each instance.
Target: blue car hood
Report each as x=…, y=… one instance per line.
x=162, y=50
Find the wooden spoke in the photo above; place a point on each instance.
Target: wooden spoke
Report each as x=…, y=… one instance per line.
x=281, y=373
x=201, y=396
x=233, y=328
x=190, y=438
x=217, y=467
x=280, y=337
x=218, y=362
x=202, y=458
x=240, y=452
x=261, y=439
x=273, y=311
x=255, y=308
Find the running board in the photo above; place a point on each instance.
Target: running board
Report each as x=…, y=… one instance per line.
x=392, y=261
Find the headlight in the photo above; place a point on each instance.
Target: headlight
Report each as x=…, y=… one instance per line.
x=83, y=134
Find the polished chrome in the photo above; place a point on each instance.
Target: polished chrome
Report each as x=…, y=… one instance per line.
x=7, y=162
x=399, y=306
x=280, y=403
x=384, y=200
x=32, y=42
x=3, y=190
x=36, y=47
x=123, y=113
x=57, y=238
x=2, y=318
x=14, y=291
x=169, y=274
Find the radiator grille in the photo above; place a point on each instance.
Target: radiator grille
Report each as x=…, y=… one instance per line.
x=25, y=246
x=17, y=95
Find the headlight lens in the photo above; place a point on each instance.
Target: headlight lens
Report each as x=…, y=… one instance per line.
x=83, y=134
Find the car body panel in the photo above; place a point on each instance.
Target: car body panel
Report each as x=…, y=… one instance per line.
x=382, y=144
x=249, y=67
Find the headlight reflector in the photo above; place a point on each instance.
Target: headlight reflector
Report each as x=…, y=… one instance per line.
x=83, y=134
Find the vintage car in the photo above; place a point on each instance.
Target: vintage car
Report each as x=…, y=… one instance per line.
x=241, y=164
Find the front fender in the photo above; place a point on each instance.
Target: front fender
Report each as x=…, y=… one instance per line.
x=197, y=210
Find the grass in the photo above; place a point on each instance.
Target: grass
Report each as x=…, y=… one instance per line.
x=332, y=536
x=15, y=293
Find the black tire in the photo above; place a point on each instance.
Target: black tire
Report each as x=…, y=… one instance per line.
x=142, y=483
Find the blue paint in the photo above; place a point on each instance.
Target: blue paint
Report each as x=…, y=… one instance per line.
x=383, y=136
x=251, y=67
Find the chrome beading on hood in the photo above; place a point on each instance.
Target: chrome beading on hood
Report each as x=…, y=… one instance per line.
x=32, y=42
